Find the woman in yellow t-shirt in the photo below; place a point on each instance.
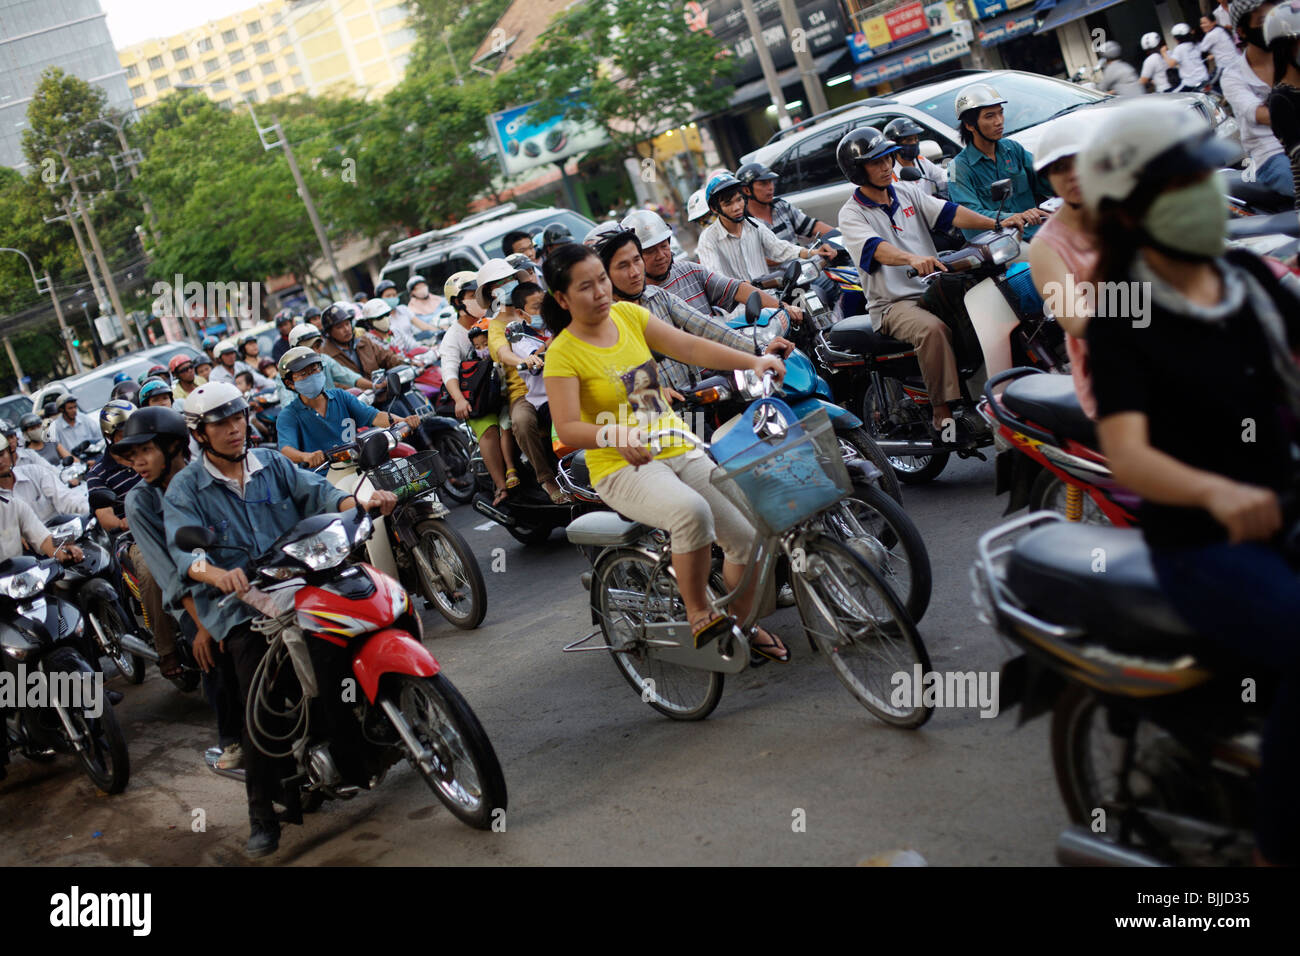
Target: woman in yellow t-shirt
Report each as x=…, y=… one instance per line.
x=603, y=387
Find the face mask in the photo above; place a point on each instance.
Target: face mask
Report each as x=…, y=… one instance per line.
x=311, y=386
x=380, y=324
x=34, y=434
x=535, y=321
x=501, y=296
x=1191, y=220
x=910, y=152
x=391, y=300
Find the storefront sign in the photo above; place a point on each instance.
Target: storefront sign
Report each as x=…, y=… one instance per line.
x=991, y=8
x=901, y=26
x=922, y=58
x=1006, y=28
x=820, y=23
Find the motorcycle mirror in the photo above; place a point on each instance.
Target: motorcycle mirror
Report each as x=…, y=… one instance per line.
x=909, y=174
x=194, y=538
x=66, y=460
x=753, y=307
x=103, y=498
x=1001, y=190
x=372, y=450
x=931, y=150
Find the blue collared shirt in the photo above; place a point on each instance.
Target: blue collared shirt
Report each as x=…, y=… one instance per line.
x=276, y=497
x=971, y=179
x=300, y=426
x=144, y=510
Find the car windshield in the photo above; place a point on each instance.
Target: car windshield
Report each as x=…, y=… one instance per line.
x=578, y=227
x=14, y=408
x=94, y=391
x=1030, y=100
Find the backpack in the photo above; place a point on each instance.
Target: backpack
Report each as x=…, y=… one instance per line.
x=480, y=383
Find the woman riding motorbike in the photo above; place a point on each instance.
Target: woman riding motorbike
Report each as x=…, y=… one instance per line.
x=1209, y=463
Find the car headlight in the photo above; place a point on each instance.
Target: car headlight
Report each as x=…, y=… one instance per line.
x=325, y=549
x=26, y=584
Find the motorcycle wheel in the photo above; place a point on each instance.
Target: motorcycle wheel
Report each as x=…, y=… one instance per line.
x=131, y=666
x=873, y=525
x=1048, y=494
x=444, y=553
x=857, y=443
x=868, y=636
x=876, y=408
x=467, y=777
x=105, y=760
x=454, y=449
x=187, y=681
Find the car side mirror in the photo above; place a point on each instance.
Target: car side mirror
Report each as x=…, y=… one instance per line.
x=194, y=538
x=909, y=174
x=1001, y=190
x=753, y=307
x=372, y=450
x=103, y=498
x=931, y=150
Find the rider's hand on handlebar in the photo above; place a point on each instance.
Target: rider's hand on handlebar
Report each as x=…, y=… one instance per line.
x=1250, y=513
x=924, y=265
x=385, y=501
x=770, y=363
x=314, y=459
x=674, y=396
x=228, y=582
x=826, y=251
x=534, y=362
x=630, y=446
x=462, y=409
x=779, y=347
x=412, y=421
x=796, y=313
x=68, y=553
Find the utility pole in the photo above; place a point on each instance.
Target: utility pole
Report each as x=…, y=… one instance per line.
x=765, y=61
x=86, y=259
x=812, y=83
x=130, y=161
x=46, y=288
x=326, y=250
x=18, y=369
x=446, y=38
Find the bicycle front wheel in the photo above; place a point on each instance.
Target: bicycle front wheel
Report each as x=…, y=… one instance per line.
x=631, y=590
x=861, y=627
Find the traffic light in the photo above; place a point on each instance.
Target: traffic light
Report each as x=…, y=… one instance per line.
x=76, y=343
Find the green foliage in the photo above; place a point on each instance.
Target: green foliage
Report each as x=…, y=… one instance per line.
x=634, y=69
x=465, y=25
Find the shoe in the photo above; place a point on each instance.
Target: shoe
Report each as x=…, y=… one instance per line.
x=263, y=839
x=232, y=758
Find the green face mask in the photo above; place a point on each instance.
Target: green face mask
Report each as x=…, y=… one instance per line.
x=1191, y=220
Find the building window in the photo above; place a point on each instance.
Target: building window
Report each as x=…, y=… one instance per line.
x=211, y=66
x=261, y=47
x=389, y=15
x=218, y=85
x=291, y=59
x=229, y=36
x=254, y=27
x=205, y=45
x=137, y=92
x=275, y=88
x=243, y=76
x=162, y=83
x=236, y=56
x=180, y=53
x=187, y=73
x=284, y=40
x=155, y=63
x=268, y=69
x=132, y=71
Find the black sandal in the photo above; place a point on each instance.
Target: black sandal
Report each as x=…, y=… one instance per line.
x=170, y=665
x=714, y=628
x=770, y=642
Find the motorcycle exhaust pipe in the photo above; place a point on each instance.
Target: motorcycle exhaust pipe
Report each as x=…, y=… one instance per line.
x=1077, y=846
x=133, y=644
x=890, y=447
x=484, y=507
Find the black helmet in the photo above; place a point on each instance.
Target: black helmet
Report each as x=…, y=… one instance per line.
x=903, y=126
x=858, y=147
x=752, y=172
x=128, y=390
x=150, y=423
x=30, y=420
x=360, y=297
x=311, y=313
x=336, y=314
x=384, y=285
x=556, y=234
x=285, y=315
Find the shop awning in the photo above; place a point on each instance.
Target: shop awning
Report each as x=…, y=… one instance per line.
x=1067, y=11
x=913, y=60
x=1004, y=28
x=756, y=88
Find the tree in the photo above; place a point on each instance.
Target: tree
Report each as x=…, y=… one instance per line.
x=634, y=69
x=464, y=24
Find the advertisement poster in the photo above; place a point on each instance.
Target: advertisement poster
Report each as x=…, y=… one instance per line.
x=523, y=146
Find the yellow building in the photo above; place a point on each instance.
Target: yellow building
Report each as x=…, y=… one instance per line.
x=355, y=47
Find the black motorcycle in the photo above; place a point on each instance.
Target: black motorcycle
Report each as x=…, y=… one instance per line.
x=436, y=433
x=41, y=632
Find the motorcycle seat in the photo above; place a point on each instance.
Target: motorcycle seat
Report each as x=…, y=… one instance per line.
x=1256, y=194
x=604, y=529
x=1055, y=573
x=576, y=467
x=1050, y=401
x=1282, y=223
x=856, y=334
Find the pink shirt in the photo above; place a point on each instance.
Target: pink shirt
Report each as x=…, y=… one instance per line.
x=1080, y=257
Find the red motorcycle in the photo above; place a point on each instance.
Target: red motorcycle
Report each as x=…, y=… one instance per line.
x=346, y=688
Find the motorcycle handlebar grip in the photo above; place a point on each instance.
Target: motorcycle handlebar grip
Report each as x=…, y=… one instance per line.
x=912, y=273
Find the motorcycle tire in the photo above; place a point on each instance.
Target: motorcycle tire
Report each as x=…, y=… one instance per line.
x=108, y=765
x=454, y=449
x=910, y=469
x=131, y=666
x=459, y=742
x=432, y=536
x=860, y=440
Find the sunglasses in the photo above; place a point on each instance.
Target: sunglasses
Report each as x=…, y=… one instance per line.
x=182, y=369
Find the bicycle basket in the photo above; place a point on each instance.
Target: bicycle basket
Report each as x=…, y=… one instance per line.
x=410, y=476
x=782, y=480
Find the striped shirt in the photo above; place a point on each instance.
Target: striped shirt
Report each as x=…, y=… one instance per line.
x=669, y=308
x=118, y=479
x=790, y=222
x=698, y=287
x=744, y=256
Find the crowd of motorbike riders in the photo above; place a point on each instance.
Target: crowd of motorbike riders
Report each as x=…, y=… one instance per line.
x=614, y=322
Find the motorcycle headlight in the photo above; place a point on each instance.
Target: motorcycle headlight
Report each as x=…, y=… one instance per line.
x=808, y=272
x=748, y=384
x=27, y=584
x=325, y=549
x=764, y=334
x=1003, y=249
x=70, y=530
x=364, y=527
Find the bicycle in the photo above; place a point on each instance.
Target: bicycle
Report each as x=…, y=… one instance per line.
x=786, y=481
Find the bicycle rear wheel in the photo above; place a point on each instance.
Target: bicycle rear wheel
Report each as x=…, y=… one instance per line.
x=631, y=591
x=861, y=627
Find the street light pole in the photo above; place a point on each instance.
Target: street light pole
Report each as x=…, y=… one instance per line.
x=765, y=61
x=48, y=287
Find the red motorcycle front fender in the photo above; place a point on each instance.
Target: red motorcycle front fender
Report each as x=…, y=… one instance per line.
x=391, y=651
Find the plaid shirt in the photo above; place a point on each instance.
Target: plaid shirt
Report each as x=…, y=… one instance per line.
x=698, y=287
x=790, y=222
x=669, y=308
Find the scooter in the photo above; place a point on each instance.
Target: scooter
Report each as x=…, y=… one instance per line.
x=881, y=376
x=41, y=633
x=1252, y=198
x=331, y=624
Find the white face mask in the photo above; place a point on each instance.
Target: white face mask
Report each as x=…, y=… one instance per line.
x=35, y=434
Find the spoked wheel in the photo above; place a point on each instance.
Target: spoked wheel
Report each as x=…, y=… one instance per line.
x=454, y=450
x=1049, y=493
x=449, y=575
x=630, y=593
x=861, y=627
x=858, y=443
x=103, y=755
x=909, y=425
x=463, y=770
x=873, y=525
x=131, y=666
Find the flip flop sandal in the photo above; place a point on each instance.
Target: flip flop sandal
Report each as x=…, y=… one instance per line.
x=499, y=496
x=170, y=665
x=768, y=642
x=512, y=478
x=714, y=628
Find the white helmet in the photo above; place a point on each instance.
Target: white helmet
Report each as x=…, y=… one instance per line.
x=376, y=312
x=696, y=207
x=1067, y=137
x=301, y=333
x=1282, y=21
x=494, y=270
x=1144, y=145
x=976, y=96
x=1180, y=30
x=607, y=228
x=213, y=402
x=1151, y=41
x=1111, y=50
x=649, y=228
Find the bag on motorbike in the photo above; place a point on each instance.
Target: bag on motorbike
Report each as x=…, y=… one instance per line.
x=480, y=383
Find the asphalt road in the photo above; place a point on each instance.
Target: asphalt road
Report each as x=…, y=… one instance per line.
x=788, y=769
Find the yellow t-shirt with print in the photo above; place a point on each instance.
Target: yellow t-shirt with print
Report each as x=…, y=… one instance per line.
x=619, y=384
